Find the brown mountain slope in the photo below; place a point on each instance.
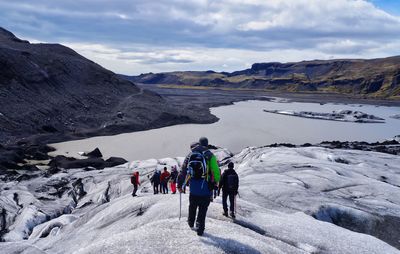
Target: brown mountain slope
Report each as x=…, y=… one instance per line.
x=375, y=78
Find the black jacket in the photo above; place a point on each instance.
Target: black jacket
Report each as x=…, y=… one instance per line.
x=229, y=181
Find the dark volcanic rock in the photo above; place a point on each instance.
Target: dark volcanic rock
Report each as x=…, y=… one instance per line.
x=61, y=161
x=12, y=156
x=115, y=161
x=94, y=154
x=389, y=146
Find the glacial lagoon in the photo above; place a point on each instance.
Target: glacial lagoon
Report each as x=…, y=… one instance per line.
x=241, y=125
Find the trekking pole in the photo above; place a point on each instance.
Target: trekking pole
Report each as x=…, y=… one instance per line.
x=180, y=205
x=235, y=203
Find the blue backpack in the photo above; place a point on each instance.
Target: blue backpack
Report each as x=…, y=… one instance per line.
x=197, y=166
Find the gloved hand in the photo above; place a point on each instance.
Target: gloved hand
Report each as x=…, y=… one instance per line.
x=180, y=190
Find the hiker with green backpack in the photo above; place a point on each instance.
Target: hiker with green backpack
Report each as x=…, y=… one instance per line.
x=200, y=171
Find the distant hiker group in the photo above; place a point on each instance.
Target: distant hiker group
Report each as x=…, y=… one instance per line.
x=160, y=180
x=200, y=171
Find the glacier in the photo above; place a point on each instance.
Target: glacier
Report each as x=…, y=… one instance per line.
x=291, y=200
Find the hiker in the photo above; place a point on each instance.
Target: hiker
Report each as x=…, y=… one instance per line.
x=229, y=184
x=155, y=180
x=199, y=167
x=135, y=182
x=172, y=179
x=164, y=180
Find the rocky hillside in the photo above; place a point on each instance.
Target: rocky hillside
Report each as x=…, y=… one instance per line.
x=48, y=90
x=376, y=78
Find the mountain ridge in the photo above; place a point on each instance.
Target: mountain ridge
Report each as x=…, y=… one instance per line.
x=369, y=78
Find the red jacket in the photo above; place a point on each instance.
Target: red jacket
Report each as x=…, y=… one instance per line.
x=164, y=176
x=135, y=178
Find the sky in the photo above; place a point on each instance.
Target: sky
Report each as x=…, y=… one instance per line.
x=139, y=36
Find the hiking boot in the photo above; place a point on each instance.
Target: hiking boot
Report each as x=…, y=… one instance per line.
x=191, y=224
x=233, y=215
x=225, y=214
x=200, y=232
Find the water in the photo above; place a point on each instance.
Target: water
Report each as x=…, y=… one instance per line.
x=241, y=125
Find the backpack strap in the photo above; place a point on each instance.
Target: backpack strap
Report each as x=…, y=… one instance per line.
x=205, y=164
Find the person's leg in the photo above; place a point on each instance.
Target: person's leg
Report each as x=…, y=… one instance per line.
x=166, y=186
x=134, y=190
x=173, y=187
x=232, y=203
x=155, y=189
x=204, y=202
x=224, y=204
x=192, y=210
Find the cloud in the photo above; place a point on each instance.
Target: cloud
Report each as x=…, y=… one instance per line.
x=184, y=34
x=142, y=58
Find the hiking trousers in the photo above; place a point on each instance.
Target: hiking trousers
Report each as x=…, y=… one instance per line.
x=135, y=187
x=173, y=187
x=155, y=188
x=164, y=185
x=231, y=195
x=200, y=203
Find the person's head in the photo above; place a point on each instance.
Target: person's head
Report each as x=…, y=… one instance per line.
x=165, y=168
x=230, y=165
x=203, y=141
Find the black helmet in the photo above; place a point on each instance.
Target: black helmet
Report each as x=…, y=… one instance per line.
x=231, y=165
x=203, y=141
